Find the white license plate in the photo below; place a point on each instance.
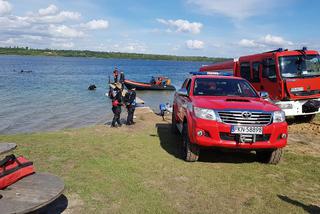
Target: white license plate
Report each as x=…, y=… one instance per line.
x=246, y=130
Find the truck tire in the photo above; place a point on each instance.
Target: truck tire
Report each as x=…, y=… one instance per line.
x=174, y=128
x=305, y=118
x=190, y=151
x=270, y=157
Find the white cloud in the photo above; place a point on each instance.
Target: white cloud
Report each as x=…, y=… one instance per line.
x=64, y=31
x=134, y=47
x=96, y=24
x=46, y=27
x=124, y=46
x=249, y=43
x=195, y=44
x=5, y=7
x=267, y=41
x=275, y=40
x=13, y=22
x=50, y=10
x=236, y=9
x=9, y=41
x=30, y=37
x=181, y=25
x=59, y=45
x=54, y=18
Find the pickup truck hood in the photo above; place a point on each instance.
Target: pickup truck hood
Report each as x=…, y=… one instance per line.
x=234, y=103
x=303, y=88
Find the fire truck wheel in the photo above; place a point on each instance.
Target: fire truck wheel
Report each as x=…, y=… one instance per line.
x=174, y=128
x=190, y=151
x=271, y=157
x=305, y=118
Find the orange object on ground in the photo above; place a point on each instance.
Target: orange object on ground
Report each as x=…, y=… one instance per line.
x=14, y=168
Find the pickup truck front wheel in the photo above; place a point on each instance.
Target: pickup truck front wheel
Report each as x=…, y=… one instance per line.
x=190, y=151
x=271, y=157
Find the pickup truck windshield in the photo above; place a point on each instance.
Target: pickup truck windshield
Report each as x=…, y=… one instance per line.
x=299, y=66
x=223, y=87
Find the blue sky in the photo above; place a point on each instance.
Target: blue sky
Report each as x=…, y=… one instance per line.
x=227, y=28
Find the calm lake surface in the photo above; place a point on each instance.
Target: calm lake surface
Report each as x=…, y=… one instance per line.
x=54, y=95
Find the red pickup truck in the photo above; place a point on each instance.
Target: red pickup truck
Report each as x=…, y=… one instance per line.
x=227, y=112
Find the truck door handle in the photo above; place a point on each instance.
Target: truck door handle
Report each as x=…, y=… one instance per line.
x=261, y=87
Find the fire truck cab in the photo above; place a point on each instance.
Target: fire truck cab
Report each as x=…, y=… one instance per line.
x=291, y=78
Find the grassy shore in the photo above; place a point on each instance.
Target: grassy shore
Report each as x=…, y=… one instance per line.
x=99, y=54
x=138, y=170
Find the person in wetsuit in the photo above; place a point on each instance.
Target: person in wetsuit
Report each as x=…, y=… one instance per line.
x=121, y=79
x=130, y=100
x=115, y=75
x=116, y=105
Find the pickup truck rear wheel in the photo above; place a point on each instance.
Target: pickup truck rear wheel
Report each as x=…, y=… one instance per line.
x=190, y=151
x=305, y=118
x=271, y=157
x=174, y=128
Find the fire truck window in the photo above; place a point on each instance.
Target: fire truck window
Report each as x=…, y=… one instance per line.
x=256, y=72
x=269, y=69
x=245, y=71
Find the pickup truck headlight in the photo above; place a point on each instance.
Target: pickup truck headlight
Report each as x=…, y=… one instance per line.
x=279, y=116
x=203, y=113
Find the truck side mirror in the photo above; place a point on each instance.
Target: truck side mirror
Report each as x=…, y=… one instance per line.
x=183, y=92
x=264, y=95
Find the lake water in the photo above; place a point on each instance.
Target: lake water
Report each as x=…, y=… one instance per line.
x=54, y=95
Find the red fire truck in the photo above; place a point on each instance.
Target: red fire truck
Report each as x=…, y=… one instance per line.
x=291, y=78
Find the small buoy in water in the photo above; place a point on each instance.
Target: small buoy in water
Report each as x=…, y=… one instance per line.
x=92, y=87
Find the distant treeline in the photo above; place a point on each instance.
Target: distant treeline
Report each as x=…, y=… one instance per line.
x=86, y=53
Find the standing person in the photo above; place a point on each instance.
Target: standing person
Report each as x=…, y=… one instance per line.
x=116, y=104
x=162, y=108
x=121, y=80
x=130, y=100
x=115, y=74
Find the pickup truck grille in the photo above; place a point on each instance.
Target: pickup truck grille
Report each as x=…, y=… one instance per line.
x=245, y=117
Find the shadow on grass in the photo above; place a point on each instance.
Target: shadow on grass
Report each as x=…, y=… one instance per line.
x=171, y=143
x=58, y=206
x=313, y=209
